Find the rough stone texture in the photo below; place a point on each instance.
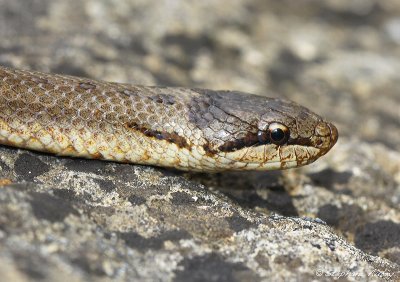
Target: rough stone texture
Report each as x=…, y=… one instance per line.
x=79, y=220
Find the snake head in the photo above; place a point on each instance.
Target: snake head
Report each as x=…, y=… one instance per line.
x=294, y=135
x=257, y=133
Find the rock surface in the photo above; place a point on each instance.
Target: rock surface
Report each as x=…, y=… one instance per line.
x=76, y=220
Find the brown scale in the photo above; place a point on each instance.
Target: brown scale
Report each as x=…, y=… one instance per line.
x=213, y=123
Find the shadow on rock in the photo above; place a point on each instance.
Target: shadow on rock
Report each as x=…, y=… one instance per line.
x=255, y=190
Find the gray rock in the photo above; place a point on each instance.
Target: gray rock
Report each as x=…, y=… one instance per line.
x=67, y=219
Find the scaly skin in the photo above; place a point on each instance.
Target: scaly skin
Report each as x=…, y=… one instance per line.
x=189, y=129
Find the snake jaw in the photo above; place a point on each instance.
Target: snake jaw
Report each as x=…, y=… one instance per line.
x=296, y=152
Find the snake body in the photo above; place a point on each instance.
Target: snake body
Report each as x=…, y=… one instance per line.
x=188, y=129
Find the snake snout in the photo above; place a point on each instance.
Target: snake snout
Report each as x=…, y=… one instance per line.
x=326, y=136
x=334, y=134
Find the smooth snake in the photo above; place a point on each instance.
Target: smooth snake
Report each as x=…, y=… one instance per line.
x=188, y=129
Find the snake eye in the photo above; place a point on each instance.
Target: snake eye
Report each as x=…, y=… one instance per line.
x=278, y=133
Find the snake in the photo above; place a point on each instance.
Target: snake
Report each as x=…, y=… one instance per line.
x=188, y=129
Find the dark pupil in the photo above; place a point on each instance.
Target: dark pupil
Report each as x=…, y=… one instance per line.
x=277, y=134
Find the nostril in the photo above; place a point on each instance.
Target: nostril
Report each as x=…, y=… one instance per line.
x=319, y=143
